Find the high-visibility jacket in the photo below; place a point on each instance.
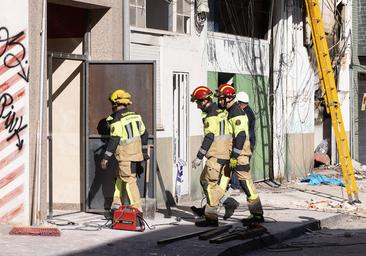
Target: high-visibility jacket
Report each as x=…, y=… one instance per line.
x=217, y=140
x=238, y=121
x=126, y=129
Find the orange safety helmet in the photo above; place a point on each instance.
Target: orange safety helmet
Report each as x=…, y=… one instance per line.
x=225, y=90
x=201, y=93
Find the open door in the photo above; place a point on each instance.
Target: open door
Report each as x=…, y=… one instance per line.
x=138, y=78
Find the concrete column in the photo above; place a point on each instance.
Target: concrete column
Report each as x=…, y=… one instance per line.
x=279, y=85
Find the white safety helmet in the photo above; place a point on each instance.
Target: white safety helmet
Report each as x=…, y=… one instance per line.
x=242, y=97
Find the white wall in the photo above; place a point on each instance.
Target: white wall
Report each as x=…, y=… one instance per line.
x=176, y=53
x=293, y=83
x=236, y=54
x=300, y=93
x=181, y=54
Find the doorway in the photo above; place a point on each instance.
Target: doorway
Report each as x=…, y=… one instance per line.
x=102, y=78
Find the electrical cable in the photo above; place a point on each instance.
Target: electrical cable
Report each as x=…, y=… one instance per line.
x=90, y=227
x=61, y=222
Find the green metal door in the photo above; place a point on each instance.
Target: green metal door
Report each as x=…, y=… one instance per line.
x=212, y=81
x=256, y=88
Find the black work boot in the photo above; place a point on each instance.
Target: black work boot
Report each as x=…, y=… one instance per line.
x=253, y=219
x=198, y=211
x=108, y=214
x=230, y=205
x=207, y=223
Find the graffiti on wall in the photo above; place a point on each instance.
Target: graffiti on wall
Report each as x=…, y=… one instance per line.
x=13, y=56
x=14, y=78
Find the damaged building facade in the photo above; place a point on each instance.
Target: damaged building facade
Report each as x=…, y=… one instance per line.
x=160, y=50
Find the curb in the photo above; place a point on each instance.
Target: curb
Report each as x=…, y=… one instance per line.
x=270, y=239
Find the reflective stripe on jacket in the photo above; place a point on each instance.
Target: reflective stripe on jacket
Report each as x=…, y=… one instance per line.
x=215, y=122
x=129, y=127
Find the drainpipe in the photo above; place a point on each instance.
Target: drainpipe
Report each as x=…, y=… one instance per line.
x=126, y=30
x=36, y=217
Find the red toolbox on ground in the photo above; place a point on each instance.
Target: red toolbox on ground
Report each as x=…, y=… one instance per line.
x=128, y=218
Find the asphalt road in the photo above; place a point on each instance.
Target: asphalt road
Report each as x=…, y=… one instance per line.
x=345, y=238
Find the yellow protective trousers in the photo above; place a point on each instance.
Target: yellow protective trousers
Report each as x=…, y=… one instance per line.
x=210, y=184
x=246, y=183
x=126, y=183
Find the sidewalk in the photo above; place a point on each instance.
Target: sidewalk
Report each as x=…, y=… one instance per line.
x=290, y=210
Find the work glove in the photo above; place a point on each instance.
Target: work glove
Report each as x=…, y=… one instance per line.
x=196, y=162
x=139, y=170
x=145, y=155
x=103, y=164
x=233, y=162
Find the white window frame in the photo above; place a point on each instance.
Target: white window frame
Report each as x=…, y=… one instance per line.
x=134, y=4
x=185, y=14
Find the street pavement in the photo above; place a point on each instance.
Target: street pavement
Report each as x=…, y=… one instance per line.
x=290, y=211
x=344, y=237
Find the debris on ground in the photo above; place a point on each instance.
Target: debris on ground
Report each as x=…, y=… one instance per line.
x=357, y=166
x=359, y=169
x=317, y=179
x=322, y=158
x=329, y=206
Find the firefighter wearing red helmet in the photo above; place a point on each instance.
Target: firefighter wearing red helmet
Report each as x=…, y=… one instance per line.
x=215, y=147
x=241, y=152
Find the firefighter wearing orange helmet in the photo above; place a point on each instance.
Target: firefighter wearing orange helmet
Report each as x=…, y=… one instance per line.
x=128, y=137
x=216, y=148
x=241, y=151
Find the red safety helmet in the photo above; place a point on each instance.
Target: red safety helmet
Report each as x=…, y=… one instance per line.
x=201, y=93
x=225, y=90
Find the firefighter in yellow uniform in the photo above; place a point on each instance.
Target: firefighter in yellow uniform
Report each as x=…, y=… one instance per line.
x=241, y=151
x=216, y=148
x=128, y=137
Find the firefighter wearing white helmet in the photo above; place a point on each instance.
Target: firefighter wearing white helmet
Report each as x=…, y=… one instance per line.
x=128, y=137
x=243, y=99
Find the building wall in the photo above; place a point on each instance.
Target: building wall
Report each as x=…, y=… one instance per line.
x=235, y=54
x=16, y=15
x=358, y=68
x=360, y=15
x=165, y=162
x=293, y=87
x=14, y=115
x=173, y=52
x=106, y=32
x=299, y=155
